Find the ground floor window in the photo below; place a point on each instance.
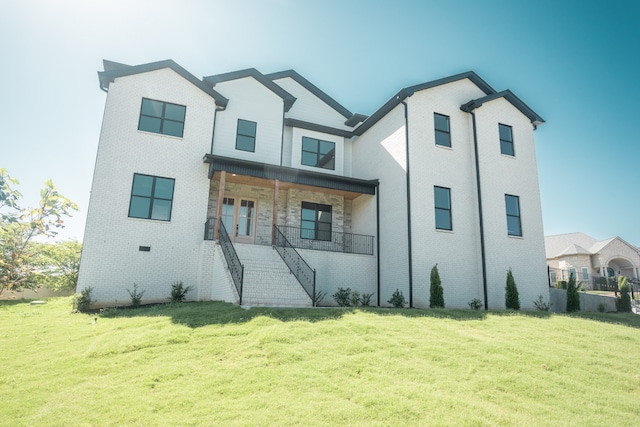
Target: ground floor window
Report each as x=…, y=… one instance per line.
x=316, y=221
x=585, y=273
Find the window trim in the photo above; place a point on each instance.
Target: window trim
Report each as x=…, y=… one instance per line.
x=162, y=118
x=253, y=137
x=518, y=216
x=436, y=130
x=316, y=221
x=319, y=160
x=506, y=141
x=152, y=197
x=585, y=273
x=438, y=208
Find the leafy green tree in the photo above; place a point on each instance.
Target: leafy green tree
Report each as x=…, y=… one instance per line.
x=56, y=265
x=573, y=297
x=19, y=226
x=623, y=302
x=511, y=297
x=436, y=293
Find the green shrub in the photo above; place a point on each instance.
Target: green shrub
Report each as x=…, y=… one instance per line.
x=82, y=301
x=602, y=307
x=511, y=297
x=623, y=302
x=179, y=292
x=397, y=299
x=342, y=297
x=561, y=284
x=365, y=299
x=573, y=297
x=436, y=293
x=354, y=299
x=475, y=304
x=136, y=296
x=541, y=304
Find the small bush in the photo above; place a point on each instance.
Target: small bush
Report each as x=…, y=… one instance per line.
x=623, y=302
x=573, y=297
x=318, y=297
x=82, y=300
x=436, y=293
x=511, y=297
x=475, y=304
x=136, y=296
x=541, y=304
x=354, y=299
x=397, y=299
x=365, y=299
x=561, y=284
x=342, y=297
x=602, y=307
x=178, y=292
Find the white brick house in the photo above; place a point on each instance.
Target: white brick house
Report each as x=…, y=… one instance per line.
x=197, y=180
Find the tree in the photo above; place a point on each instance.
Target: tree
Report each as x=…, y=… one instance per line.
x=573, y=297
x=511, y=297
x=623, y=302
x=436, y=293
x=56, y=265
x=19, y=226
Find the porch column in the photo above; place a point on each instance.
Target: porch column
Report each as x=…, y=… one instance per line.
x=276, y=198
x=223, y=176
x=637, y=273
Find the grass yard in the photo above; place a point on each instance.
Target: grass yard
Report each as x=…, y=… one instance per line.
x=216, y=364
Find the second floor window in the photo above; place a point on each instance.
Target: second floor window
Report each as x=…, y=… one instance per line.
x=318, y=153
x=151, y=197
x=506, y=140
x=162, y=117
x=246, y=135
x=443, y=132
x=514, y=227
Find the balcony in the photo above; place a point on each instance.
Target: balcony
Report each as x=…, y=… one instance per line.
x=339, y=242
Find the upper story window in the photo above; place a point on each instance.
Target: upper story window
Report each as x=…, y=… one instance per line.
x=246, y=135
x=443, y=132
x=151, y=197
x=162, y=117
x=318, y=153
x=315, y=221
x=514, y=226
x=506, y=140
x=442, y=201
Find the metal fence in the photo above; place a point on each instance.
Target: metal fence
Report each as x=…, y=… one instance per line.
x=305, y=275
x=233, y=262
x=339, y=242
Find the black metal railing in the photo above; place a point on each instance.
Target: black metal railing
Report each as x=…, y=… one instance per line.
x=297, y=265
x=210, y=229
x=339, y=242
x=233, y=262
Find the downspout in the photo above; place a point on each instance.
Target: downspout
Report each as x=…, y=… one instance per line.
x=410, y=258
x=468, y=109
x=282, y=138
x=378, y=239
x=213, y=131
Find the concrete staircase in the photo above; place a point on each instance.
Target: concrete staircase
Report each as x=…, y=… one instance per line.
x=267, y=279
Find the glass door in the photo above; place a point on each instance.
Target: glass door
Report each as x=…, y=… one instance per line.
x=238, y=217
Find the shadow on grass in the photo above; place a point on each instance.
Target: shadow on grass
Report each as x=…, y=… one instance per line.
x=197, y=314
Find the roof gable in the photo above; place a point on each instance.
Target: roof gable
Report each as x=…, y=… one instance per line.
x=557, y=244
x=599, y=246
x=252, y=72
x=113, y=70
x=511, y=98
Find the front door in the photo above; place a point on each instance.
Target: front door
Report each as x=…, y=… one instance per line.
x=238, y=217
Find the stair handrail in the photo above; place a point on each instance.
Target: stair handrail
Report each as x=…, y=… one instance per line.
x=236, y=268
x=303, y=273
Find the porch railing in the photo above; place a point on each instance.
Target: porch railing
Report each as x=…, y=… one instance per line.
x=210, y=229
x=297, y=265
x=233, y=262
x=340, y=242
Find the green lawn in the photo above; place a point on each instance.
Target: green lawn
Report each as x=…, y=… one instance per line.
x=215, y=364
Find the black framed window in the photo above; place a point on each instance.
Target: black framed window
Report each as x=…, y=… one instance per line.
x=246, y=135
x=442, y=202
x=318, y=153
x=514, y=225
x=443, y=131
x=315, y=221
x=151, y=197
x=506, y=140
x=162, y=117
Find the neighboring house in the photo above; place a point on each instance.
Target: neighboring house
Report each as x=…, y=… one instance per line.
x=591, y=260
x=213, y=182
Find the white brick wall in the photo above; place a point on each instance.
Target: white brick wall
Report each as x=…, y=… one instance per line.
x=111, y=261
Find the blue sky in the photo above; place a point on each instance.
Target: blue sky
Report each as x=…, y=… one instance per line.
x=574, y=62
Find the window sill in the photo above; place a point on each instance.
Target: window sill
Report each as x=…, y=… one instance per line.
x=444, y=147
x=507, y=156
x=441, y=230
x=515, y=237
x=144, y=132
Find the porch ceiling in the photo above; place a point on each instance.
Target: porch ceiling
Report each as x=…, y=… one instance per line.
x=263, y=175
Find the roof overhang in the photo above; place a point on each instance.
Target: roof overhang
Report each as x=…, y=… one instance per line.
x=296, y=176
x=536, y=120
